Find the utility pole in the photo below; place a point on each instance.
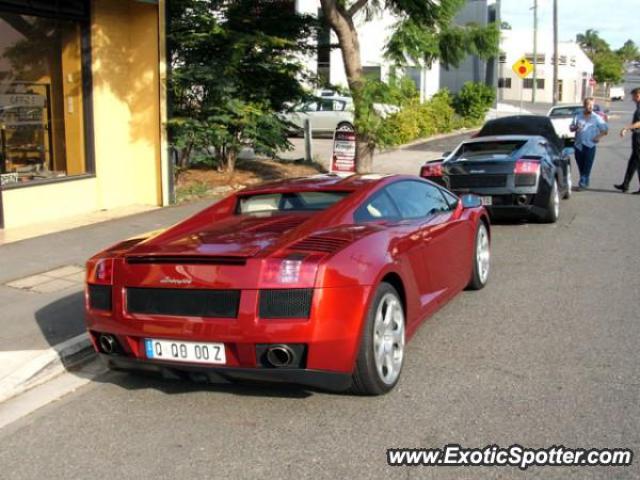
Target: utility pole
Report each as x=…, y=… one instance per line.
x=555, y=52
x=535, y=50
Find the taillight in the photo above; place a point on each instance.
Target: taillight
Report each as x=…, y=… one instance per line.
x=295, y=270
x=526, y=166
x=434, y=170
x=101, y=273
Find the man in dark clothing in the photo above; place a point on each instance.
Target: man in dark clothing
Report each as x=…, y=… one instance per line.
x=634, y=160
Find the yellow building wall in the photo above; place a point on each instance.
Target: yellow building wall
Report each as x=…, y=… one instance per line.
x=73, y=107
x=46, y=203
x=126, y=122
x=126, y=102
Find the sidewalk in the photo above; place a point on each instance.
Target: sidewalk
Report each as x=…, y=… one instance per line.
x=42, y=280
x=41, y=295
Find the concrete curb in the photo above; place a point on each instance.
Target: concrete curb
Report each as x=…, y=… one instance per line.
x=46, y=366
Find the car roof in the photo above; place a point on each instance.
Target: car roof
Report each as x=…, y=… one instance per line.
x=525, y=125
x=326, y=182
x=333, y=97
x=503, y=138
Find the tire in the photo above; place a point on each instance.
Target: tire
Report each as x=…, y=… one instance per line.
x=345, y=126
x=481, y=258
x=567, y=194
x=381, y=353
x=553, y=205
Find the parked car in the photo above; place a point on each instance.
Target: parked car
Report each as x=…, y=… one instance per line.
x=325, y=113
x=516, y=164
x=616, y=93
x=317, y=281
x=562, y=116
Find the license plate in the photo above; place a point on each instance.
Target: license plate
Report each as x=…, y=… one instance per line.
x=486, y=201
x=193, y=352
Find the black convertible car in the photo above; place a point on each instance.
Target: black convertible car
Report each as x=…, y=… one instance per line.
x=517, y=165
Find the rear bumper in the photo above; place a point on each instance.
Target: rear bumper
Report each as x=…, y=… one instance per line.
x=512, y=211
x=521, y=203
x=331, y=335
x=331, y=381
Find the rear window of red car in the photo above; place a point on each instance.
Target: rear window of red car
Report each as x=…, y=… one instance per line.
x=311, y=201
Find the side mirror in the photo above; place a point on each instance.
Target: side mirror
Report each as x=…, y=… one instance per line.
x=470, y=200
x=445, y=154
x=567, y=151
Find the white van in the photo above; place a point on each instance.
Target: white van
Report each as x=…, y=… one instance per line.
x=616, y=93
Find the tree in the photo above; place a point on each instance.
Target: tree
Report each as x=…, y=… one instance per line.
x=234, y=65
x=591, y=43
x=629, y=51
x=608, y=68
x=424, y=32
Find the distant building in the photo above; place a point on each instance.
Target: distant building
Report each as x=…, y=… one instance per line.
x=574, y=69
x=473, y=68
x=373, y=36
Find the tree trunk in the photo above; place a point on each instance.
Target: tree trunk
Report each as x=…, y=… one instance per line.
x=364, y=153
x=341, y=22
x=184, y=156
x=230, y=160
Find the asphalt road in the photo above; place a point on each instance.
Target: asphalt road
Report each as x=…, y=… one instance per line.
x=546, y=355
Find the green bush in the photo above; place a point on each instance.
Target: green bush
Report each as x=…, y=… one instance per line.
x=473, y=101
x=441, y=114
x=418, y=120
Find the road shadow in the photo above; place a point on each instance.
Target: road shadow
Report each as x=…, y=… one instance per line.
x=597, y=190
x=184, y=384
x=511, y=221
x=62, y=319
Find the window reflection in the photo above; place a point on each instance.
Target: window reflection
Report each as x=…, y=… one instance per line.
x=41, y=102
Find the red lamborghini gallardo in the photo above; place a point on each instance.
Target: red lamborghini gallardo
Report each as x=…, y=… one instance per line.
x=317, y=281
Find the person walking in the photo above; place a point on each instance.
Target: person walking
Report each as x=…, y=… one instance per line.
x=589, y=128
x=633, y=166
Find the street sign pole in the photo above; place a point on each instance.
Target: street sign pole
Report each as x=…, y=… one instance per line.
x=521, y=95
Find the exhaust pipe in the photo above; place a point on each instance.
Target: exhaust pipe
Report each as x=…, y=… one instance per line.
x=107, y=344
x=521, y=200
x=280, y=356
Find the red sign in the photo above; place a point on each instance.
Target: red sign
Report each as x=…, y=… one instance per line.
x=343, y=157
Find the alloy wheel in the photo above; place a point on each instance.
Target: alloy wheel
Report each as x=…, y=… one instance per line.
x=483, y=253
x=388, y=338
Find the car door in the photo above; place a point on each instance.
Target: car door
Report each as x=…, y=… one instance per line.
x=406, y=245
x=561, y=163
x=303, y=112
x=325, y=116
x=440, y=234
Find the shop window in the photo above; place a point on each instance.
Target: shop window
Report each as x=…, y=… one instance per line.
x=42, y=104
x=372, y=73
x=562, y=60
x=504, y=83
x=415, y=74
x=540, y=58
x=528, y=83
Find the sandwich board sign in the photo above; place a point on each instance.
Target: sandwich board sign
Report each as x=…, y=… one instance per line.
x=343, y=155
